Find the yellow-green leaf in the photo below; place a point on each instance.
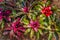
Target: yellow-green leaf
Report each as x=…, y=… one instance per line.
x=27, y=31
x=31, y=33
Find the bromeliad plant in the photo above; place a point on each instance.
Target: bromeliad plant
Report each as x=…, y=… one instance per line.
x=31, y=19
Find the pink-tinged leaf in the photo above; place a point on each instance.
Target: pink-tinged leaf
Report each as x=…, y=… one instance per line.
x=5, y=33
x=8, y=18
x=1, y=17
x=1, y=0
x=17, y=38
x=35, y=29
x=1, y=9
x=21, y=28
x=34, y=25
x=16, y=22
x=11, y=34
x=25, y=9
x=15, y=30
x=8, y=28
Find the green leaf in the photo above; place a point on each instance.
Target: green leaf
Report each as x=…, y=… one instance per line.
x=58, y=10
x=38, y=3
x=42, y=18
x=20, y=1
x=35, y=13
x=50, y=36
x=31, y=33
x=53, y=17
x=50, y=21
x=2, y=24
x=48, y=0
x=58, y=23
x=14, y=13
x=41, y=3
x=33, y=16
x=54, y=8
x=48, y=3
x=40, y=31
x=37, y=8
x=56, y=35
x=27, y=31
x=24, y=20
x=37, y=35
x=43, y=22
